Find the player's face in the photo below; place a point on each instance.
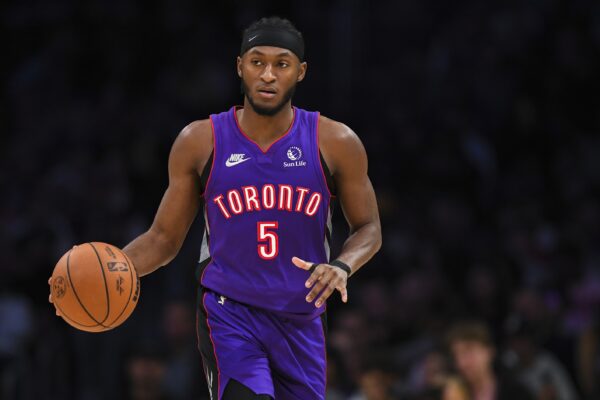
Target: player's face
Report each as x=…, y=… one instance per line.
x=269, y=77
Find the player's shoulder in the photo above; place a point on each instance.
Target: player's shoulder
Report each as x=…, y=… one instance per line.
x=333, y=129
x=196, y=136
x=199, y=130
x=338, y=143
x=194, y=144
x=333, y=133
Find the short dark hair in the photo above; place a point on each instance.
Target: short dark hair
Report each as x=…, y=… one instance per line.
x=274, y=22
x=470, y=331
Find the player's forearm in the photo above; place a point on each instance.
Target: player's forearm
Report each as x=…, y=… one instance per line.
x=361, y=245
x=150, y=251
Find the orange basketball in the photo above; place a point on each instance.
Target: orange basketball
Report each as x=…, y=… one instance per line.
x=95, y=287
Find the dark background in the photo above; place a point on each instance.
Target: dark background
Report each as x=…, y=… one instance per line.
x=481, y=123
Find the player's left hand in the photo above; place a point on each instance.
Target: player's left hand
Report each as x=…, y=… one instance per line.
x=325, y=277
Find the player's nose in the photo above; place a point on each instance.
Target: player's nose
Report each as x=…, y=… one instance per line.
x=267, y=74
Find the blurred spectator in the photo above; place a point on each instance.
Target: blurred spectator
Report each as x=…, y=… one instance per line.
x=431, y=371
x=337, y=377
x=375, y=384
x=473, y=352
x=455, y=388
x=427, y=377
x=588, y=357
x=183, y=371
x=146, y=374
x=539, y=370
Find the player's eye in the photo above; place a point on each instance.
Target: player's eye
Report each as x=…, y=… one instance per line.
x=283, y=64
x=256, y=62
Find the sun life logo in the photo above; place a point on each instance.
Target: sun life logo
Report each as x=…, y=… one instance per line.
x=294, y=153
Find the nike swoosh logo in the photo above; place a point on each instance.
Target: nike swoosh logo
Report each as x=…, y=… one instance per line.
x=252, y=38
x=229, y=163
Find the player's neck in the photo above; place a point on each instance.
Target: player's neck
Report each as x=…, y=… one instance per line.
x=264, y=129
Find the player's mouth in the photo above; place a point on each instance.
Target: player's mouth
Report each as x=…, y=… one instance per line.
x=267, y=92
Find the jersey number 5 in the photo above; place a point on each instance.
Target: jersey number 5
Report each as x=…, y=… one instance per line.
x=268, y=246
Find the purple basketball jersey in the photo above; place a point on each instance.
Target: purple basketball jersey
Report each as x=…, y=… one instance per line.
x=261, y=209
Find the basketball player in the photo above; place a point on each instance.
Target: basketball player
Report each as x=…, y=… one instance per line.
x=267, y=173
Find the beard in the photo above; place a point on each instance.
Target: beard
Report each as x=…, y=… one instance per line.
x=267, y=111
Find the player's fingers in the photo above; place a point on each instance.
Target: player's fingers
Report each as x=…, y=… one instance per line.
x=50, y=295
x=343, y=292
x=300, y=263
x=317, y=275
x=325, y=295
x=319, y=286
x=55, y=309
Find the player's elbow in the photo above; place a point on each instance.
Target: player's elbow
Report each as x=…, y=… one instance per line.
x=373, y=232
x=377, y=238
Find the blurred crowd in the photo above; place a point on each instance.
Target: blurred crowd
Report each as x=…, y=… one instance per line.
x=482, y=127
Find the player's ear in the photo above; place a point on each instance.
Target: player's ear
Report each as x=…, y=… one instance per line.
x=302, y=71
x=239, y=66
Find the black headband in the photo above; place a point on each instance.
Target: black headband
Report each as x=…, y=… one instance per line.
x=275, y=37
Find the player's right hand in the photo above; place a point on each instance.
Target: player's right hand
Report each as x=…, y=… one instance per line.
x=50, y=295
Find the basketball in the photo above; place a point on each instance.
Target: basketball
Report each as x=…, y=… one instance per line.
x=95, y=287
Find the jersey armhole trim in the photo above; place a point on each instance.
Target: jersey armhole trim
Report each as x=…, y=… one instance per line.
x=328, y=177
x=213, y=155
x=321, y=159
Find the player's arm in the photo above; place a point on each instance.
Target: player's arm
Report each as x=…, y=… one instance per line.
x=180, y=203
x=346, y=158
